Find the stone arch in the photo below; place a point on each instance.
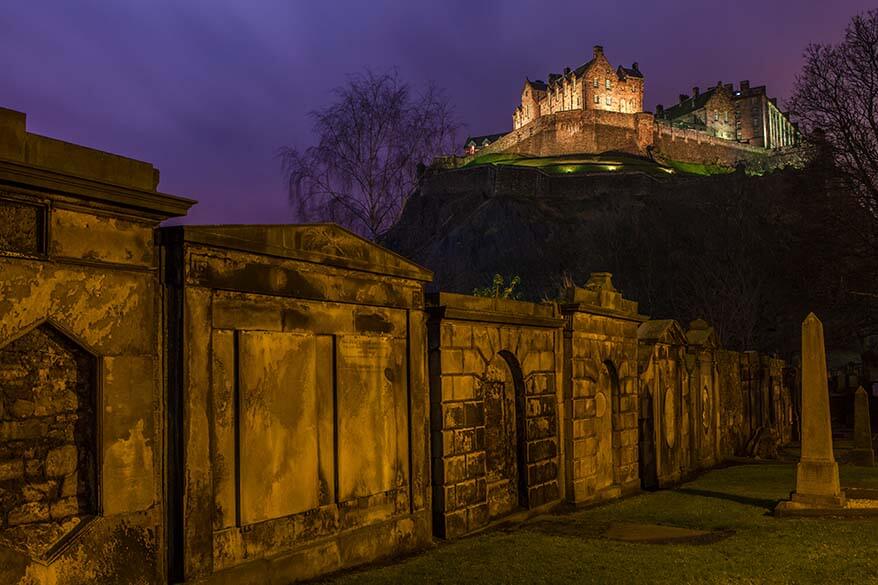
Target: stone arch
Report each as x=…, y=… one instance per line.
x=647, y=462
x=505, y=435
x=616, y=411
x=48, y=423
x=520, y=424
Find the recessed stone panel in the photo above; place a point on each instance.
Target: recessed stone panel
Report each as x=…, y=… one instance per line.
x=22, y=227
x=278, y=424
x=371, y=402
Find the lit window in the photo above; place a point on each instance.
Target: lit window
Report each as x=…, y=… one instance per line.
x=608, y=84
x=595, y=82
x=609, y=100
x=597, y=99
x=726, y=116
x=716, y=116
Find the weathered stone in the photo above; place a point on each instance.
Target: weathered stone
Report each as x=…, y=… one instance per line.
x=817, y=481
x=64, y=508
x=39, y=491
x=863, y=452
x=11, y=470
x=61, y=461
x=29, y=513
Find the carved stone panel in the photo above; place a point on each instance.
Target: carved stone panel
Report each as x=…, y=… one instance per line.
x=372, y=429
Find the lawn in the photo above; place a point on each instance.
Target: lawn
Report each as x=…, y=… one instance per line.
x=598, y=163
x=570, y=547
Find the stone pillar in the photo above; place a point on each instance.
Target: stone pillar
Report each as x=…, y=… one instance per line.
x=817, y=473
x=863, y=453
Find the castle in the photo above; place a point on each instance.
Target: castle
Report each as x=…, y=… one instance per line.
x=597, y=108
x=592, y=86
x=746, y=115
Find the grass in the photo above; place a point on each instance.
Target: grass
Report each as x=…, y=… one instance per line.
x=602, y=163
x=569, y=548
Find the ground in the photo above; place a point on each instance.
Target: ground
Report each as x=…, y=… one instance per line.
x=749, y=545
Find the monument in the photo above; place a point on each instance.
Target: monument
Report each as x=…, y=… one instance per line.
x=862, y=453
x=817, y=484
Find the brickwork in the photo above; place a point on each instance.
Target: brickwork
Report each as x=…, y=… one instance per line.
x=601, y=391
x=47, y=426
x=494, y=368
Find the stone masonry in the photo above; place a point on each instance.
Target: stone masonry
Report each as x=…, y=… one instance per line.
x=495, y=366
x=219, y=404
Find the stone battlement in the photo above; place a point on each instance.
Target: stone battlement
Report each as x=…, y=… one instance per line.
x=597, y=131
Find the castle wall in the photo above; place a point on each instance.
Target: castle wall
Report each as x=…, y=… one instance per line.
x=693, y=146
x=495, y=372
x=578, y=131
x=595, y=132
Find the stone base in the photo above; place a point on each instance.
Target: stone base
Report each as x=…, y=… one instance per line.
x=862, y=457
x=817, y=479
x=817, y=500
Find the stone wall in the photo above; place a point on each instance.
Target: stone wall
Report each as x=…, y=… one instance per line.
x=597, y=131
x=578, y=131
x=666, y=402
x=261, y=404
x=601, y=391
x=47, y=426
x=495, y=367
x=694, y=146
x=298, y=371
x=81, y=393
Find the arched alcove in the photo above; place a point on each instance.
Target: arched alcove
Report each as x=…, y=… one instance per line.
x=48, y=426
x=505, y=435
x=615, y=390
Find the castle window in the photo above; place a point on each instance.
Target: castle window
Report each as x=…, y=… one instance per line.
x=726, y=116
x=716, y=115
x=597, y=99
x=609, y=101
x=595, y=82
x=608, y=84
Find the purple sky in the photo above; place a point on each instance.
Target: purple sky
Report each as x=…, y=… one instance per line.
x=208, y=90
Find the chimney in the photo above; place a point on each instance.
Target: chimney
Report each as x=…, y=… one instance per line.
x=635, y=66
x=683, y=97
x=598, y=51
x=659, y=110
x=745, y=86
x=567, y=71
x=695, y=91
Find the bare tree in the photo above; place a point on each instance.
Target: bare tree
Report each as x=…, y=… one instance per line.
x=835, y=99
x=371, y=143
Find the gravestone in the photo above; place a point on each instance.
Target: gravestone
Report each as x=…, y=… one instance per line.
x=862, y=453
x=817, y=483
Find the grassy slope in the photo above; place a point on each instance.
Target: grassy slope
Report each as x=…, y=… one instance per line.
x=602, y=163
x=567, y=548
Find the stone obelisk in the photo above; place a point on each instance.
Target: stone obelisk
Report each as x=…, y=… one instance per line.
x=862, y=453
x=817, y=482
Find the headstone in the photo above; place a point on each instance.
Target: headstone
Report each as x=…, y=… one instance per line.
x=817, y=481
x=862, y=453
